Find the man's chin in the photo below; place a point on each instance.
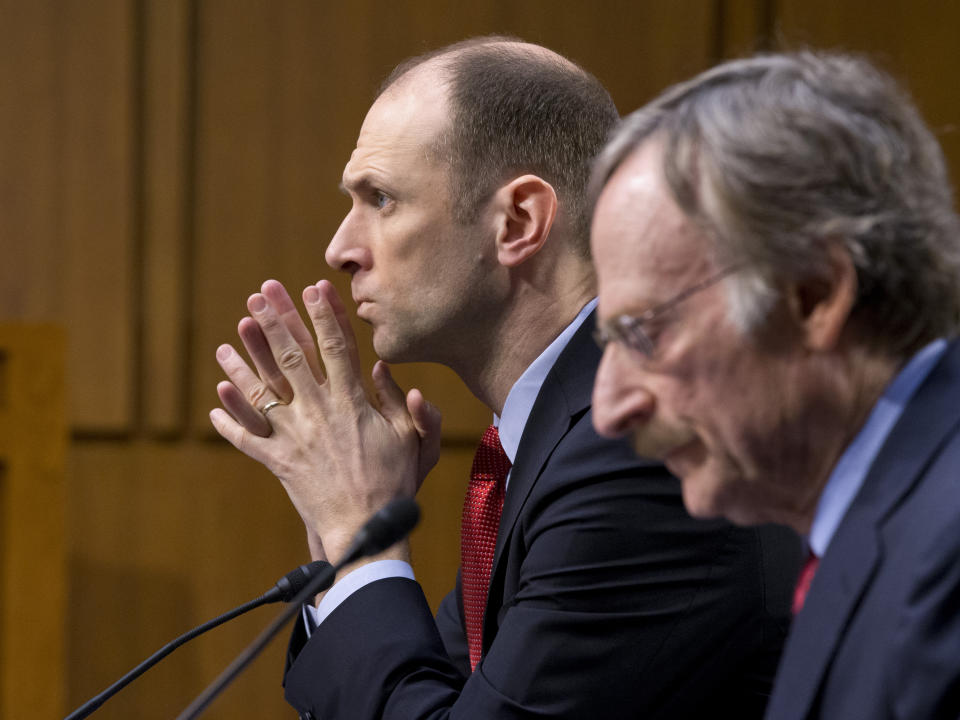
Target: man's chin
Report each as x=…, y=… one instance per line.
x=701, y=495
x=391, y=350
x=708, y=495
x=685, y=459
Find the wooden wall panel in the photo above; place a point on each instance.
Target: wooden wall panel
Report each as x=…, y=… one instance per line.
x=167, y=32
x=33, y=538
x=97, y=172
x=164, y=537
x=29, y=133
x=635, y=49
x=743, y=27
x=916, y=41
x=66, y=193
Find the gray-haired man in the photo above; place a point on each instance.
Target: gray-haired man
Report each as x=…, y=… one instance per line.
x=779, y=272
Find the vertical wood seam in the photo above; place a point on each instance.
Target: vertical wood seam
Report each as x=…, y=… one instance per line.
x=138, y=154
x=189, y=218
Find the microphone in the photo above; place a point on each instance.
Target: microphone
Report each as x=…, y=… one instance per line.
x=294, y=581
x=387, y=526
x=286, y=588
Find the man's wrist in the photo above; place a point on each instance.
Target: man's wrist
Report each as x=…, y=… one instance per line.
x=354, y=581
x=337, y=543
x=399, y=552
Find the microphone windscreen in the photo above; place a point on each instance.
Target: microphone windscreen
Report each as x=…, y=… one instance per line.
x=296, y=580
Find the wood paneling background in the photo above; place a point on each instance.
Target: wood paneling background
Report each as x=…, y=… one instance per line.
x=33, y=542
x=160, y=158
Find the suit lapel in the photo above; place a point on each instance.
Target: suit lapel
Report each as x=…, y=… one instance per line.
x=842, y=577
x=546, y=427
x=564, y=396
x=845, y=572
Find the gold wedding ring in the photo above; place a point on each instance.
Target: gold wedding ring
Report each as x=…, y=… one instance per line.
x=270, y=406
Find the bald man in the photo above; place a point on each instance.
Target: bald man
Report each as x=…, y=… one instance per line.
x=585, y=588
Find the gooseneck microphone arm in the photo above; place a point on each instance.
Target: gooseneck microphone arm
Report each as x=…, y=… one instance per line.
x=389, y=525
x=286, y=589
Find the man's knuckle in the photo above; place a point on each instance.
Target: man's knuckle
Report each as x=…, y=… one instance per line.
x=291, y=358
x=257, y=394
x=333, y=346
x=269, y=322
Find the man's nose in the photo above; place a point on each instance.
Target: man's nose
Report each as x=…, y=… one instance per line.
x=347, y=250
x=621, y=398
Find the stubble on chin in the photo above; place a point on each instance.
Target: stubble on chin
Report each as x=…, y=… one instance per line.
x=386, y=349
x=395, y=349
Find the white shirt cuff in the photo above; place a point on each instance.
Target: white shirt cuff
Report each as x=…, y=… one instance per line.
x=349, y=584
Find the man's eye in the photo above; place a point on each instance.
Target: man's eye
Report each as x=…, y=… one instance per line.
x=380, y=200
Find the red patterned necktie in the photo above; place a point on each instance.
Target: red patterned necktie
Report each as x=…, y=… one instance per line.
x=478, y=533
x=804, y=580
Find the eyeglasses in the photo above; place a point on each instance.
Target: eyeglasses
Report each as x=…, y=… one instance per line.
x=628, y=329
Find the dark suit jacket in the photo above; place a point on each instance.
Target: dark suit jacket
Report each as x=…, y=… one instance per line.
x=607, y=600
x=879, y=635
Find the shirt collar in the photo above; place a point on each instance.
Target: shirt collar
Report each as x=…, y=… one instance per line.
x=851, y=470
x=523, y=394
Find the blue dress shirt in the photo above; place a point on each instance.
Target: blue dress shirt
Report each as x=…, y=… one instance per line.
x=849, y=473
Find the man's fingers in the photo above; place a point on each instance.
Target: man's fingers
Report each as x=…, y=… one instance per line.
x=259, y=351
x=242, y=411
x=237, y=435
x=426, y=419
x=251, y=392
x=330, y=294
x=388, y=392
x=288, y=354
x=280, y=300
x=334, y=348
x=426, y=416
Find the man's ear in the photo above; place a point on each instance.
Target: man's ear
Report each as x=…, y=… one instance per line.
x=821, y=305
x=527, y=207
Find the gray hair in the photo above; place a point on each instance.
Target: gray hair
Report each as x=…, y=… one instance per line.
x=779, y=156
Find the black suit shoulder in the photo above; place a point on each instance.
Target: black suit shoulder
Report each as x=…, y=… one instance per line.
x=684, y=615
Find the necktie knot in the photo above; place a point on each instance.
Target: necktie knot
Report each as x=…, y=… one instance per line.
x=490, y=461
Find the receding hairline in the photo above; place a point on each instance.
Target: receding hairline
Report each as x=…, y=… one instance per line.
x=443, y=59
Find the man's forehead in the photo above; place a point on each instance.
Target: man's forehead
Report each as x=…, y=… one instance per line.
x=636, y=214
x=644, y=247
x=418, y=98
x=399, y=130
x=640, y=174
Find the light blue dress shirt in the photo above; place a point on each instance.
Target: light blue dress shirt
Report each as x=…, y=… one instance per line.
x=850, y=471
x=516, y=411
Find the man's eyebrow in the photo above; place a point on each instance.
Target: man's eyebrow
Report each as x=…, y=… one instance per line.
x=358, y=185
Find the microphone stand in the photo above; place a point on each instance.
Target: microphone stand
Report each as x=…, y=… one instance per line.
x=385, y=528
x=91, y=705
x=285, y=589
x=240, y=663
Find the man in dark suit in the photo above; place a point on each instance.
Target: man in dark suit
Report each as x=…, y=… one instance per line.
x=779, y=292
x=593, y=592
